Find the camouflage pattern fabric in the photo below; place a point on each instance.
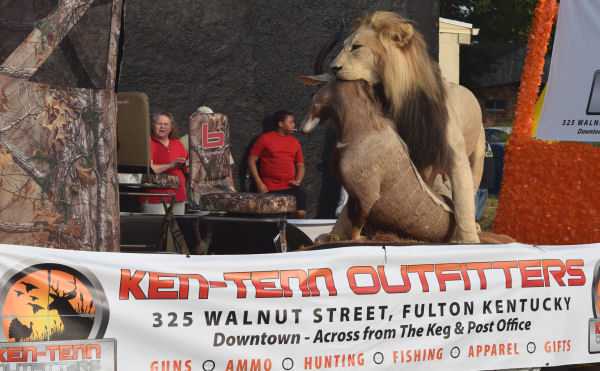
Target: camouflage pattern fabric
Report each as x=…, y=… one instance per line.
x=166, y=181
x=209, y=153
x=248, y=203
x=57, y=124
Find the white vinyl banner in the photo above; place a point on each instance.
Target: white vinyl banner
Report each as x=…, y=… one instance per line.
x=448, y=307
x=571, y=110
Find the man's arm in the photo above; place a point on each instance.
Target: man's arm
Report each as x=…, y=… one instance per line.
x=300, y=171
x=262, y=188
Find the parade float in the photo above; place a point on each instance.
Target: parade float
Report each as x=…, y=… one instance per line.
x=69, y=299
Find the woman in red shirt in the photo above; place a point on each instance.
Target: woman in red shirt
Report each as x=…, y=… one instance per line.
x=168, y=156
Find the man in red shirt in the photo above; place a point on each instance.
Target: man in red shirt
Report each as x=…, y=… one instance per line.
x=281, y=162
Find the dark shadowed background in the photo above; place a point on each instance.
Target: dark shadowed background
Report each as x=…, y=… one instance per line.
x=241, y=58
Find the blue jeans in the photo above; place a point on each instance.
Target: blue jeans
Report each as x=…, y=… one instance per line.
x=480, y=199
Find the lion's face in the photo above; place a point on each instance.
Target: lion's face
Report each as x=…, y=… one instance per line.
x=357, y=59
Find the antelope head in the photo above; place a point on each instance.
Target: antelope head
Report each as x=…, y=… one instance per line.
x=320, y=108
x=321, y=102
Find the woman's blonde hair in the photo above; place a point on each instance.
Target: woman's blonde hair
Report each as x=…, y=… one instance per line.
x=174, y=134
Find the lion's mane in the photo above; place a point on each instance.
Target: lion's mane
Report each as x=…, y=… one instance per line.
x=411, y=89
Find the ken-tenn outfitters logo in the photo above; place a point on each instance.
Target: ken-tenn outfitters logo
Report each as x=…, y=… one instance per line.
x=46, y=302
x=45, y=307
x=594, y=323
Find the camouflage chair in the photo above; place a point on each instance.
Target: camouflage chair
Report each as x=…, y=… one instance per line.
x=210, y=183
x=133, y=156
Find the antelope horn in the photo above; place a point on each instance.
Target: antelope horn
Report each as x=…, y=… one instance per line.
x=328, y=47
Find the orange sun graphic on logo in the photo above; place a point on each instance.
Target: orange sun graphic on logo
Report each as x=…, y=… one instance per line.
x=47, y=304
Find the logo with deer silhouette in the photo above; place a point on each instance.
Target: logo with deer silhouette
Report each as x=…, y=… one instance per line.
x=49, y=302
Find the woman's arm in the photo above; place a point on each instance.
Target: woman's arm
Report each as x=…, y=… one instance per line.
x=158, y=169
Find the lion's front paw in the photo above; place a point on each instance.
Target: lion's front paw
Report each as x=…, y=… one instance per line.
x=470, y=238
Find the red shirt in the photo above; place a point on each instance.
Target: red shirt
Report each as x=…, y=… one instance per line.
x=164, y=155
x=278, y=155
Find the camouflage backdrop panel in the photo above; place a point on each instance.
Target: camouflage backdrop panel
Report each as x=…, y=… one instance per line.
x=57, y=123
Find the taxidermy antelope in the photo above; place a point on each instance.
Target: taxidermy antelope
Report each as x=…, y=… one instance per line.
x=372, y=162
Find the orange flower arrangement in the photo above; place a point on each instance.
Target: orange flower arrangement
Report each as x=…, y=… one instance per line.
x=550, y=191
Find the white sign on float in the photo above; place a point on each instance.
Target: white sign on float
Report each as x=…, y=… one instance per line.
x=425, y=307
x=571, y=110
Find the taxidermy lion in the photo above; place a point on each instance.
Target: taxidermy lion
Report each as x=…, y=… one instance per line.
x=384, y=187
x=440, y=122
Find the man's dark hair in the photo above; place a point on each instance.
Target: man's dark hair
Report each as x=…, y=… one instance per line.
x=280, y=116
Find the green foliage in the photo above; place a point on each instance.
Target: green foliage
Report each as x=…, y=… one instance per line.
x=38, y=157
x=489, y=213
x=91, y=120
x=498, y=20
x=88, y=155
x=45, y=183
x=63, y=210
x=45, y=27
